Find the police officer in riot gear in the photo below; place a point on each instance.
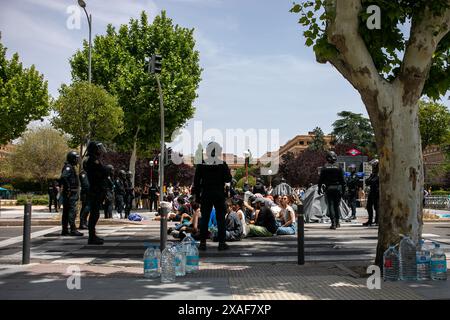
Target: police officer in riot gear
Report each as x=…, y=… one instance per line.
x=84, y=213
x=352, y=183
x=209, y=183
x=128, y=193
x=97, y=174
x=373, y=198
x=119, y=188
x=70, y=184
x=332, y=176
x=53, y=195
x=109, y=192
x=153, y=196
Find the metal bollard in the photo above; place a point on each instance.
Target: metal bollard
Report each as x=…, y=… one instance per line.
x=26, y=234
x=300, y=235
x=164, y=210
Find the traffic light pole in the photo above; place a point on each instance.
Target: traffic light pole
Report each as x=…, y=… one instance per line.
x=163, y=216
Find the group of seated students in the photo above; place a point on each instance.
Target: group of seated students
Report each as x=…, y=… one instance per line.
x=257, y=217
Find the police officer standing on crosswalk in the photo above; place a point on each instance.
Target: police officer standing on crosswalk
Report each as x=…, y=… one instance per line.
x=70, y=184
x=209, y=189
x=97, y=174
x=332, y=176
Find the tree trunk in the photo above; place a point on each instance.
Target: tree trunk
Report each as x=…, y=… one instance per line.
x=401, y=171
x=134, y=157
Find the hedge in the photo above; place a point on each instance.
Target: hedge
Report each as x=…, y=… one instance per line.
x=36, y=200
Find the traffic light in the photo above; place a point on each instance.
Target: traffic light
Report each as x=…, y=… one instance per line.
x=155, y=63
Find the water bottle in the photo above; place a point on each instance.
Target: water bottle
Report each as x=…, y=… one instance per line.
x=438, y=263
x=192, y=257
x=152, y=258
x=408, y=267
x=168, y=265
x=180, y=260
x=391, y=264
x=423, y=259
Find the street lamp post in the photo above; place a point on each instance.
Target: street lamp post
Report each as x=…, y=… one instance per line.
x=270, y=178
x=151, y=171
x=82, y=4
x=246, y=155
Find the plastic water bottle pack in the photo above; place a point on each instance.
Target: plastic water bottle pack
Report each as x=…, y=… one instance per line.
x=438, y=263
x=168, y=264
x=152, y=259
x=191, y=250
x=423, y=260
x=391, y=264
x=408, y=266
x=180, y=260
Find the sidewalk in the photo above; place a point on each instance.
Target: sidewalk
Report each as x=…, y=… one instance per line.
x=212, y=282
x=252, y=269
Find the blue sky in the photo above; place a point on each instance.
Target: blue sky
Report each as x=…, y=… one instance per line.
x=257, y=71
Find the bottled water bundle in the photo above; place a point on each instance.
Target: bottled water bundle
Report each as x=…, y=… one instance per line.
x=180, y=260
x=438, y=263
x=391, y=264
x=423, y=260
x=191, y=250
x=408, y=266
x=152, y=260
x=168, y=264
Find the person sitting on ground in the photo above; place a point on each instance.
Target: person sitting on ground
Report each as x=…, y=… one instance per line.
x=265, y=224
x=237, y=206
x=249, y=210
x=191, y=227
x=286, y=218
x=259, y=187
x=234, y=228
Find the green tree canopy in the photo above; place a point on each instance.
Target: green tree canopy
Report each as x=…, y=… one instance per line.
x=434, y=123
x=86, y=111
x=118, y=64
x=318, y=142
x=40, y=155
x=354, y=129
x=23, y=96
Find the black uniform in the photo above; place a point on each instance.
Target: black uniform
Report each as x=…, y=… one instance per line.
x=373, y=198
x=97, y=173
x=84, y=200
x=352, y=192
x=70, y=184
x=332, y=177
x=153, y=195
x=52, y=196
x=119, y=191
x=109, y=197
x=209, y=184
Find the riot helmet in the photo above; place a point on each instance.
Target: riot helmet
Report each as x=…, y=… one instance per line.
x=375, y=165
x=73, y=158
x=95, y=148
x=122, y=174
x=109, y=169
x=352, y=168
x=331, y=157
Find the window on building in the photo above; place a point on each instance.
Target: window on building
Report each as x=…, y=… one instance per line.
x=302, y=143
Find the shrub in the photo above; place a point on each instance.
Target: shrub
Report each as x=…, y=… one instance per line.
x=440, y=193
x=35, y=200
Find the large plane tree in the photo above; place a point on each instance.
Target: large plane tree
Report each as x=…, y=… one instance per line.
x=392, y=52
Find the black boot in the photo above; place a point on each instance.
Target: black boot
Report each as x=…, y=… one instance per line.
x=65, y=232
x=223, y=246
x=74, y=233
x=202, y=245
x=95, y=240
x=83, y=226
